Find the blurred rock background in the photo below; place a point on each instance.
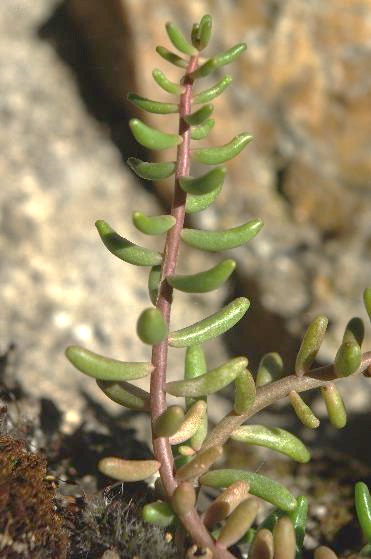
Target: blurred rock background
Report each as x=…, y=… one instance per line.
x=302, y=88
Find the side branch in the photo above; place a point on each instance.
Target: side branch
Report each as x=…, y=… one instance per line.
x=270, y=393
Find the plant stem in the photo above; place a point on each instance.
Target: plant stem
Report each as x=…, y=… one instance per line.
x=270, y=393
x=161, y=447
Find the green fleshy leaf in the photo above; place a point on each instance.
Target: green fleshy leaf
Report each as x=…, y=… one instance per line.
x=299, y=519
x=363, y=508
x=126, y=394
x=157, y=107
x=212, y=92
x=168, y=422
x=128, y=470
x=220, y=154
x=151, y=171
x=216, y=241
x=153, y=225
x=270, y=368
x=260, y=486
x=154, y=279
x=218, y=61
x=310, y=344
x=212, y=326
x=198, y=202
x=167, y=85
x=334, y=405
x=354, y=331
x=171, y=57
x=210, y=382
x=367, y=300
x=151, y=326
x=204, y=184
x=204, y=282
x=275, y=438
x=158, y=513
x=194, y=366
x=204, y=32
x=245, y=392
x=303, y=412
x=195, y=35
x=104, y=368
x=179, y=41
x=124, y=249
x=151, y=138
x=348, y=359
x=199, y=116
x=202, y=130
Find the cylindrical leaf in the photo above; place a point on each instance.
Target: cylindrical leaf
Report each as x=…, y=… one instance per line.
x=183, y=499
x=190, y=424
x=202, y=130
x=362, y=501
x=225, y=503
x=128, y=470
x=199, y=116
x=204, y=184
x=354, y=331
x=195, y=35
x=171, y=57
x=348, y=359
x=195, y=366
x=200, y=464
x=204, y=32
x=198, y=202
x=260, y=486
x=126, y=394
x=303, y=412
x=367, y=300
x=262, y=546
x=151, y=138
x=104, y=368
x=211, y=382
x=153, y=225
x=270, y=368
x=124, y=249
x=165, y=84
x=334, y=405
x=220, y=154
x=299, y=519
x=324, y=552
x=151, y=326
x=151, y=171
x=218, y=61
x=159, y=513
x=274, y=438
x=154, y=279
x=185, y=450
x=168, y=422
x=310, y=344
x=212, y=326
x=216, y=241
x=284, y=539
x=179, y=41
x=245, y=392
x=157, y=107
x=212, y=92
x=238, y=523
x=204, y=282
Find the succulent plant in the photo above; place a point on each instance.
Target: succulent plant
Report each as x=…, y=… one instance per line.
x=184, y=451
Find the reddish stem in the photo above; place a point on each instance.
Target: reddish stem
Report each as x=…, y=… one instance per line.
x=161, y=447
